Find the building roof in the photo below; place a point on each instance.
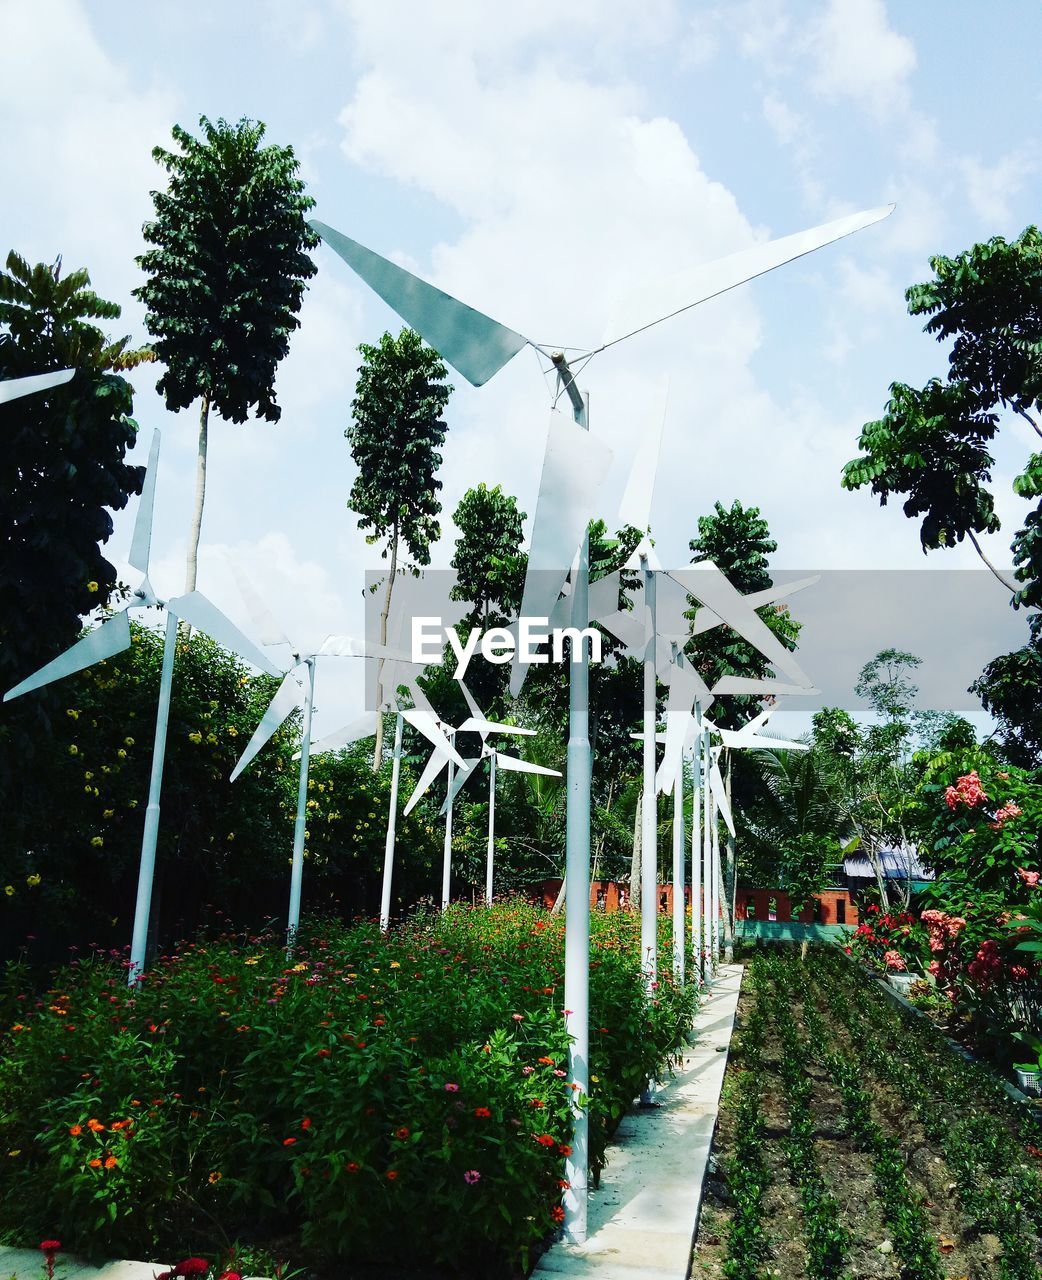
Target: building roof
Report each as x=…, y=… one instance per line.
x=897, y=864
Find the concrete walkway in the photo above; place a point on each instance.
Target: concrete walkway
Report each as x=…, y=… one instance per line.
x=644, y=1214
x=28, y=1264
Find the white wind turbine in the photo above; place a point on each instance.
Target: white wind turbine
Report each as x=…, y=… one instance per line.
x=293, y=695
x=112, y=637
x=478, y=346
x=439, y=759
x=15, y=388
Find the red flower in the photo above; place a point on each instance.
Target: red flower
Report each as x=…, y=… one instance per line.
x=546, y=1140
x=557, y=1213
x=288, y=1142
x=482, y=1113
x=306, y=1123
x=50, y=1246
x=565, y=1149
x=391, y=1175
x=191, y=1267
x=353, y=1166
x=401, y=1134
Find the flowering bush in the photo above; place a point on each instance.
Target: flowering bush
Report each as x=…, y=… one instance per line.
x=371, y=1081
x=888, y=941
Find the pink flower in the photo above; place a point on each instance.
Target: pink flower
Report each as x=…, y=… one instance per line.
x=471, y=1176
x=935, y=968
x=452, y=1088
x=893, y=960
x=1030, y=878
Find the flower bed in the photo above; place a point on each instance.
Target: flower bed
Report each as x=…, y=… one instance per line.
x=395, y=1099
x=870, y=1148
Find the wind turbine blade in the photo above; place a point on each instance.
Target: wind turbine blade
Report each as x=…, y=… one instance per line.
x=706, y=619
x=685, y=685
x=425, y=723
x=686, y=289
x=626, y=627
x=112, y=637
x=712, y=588
x=363, y=727
x=470, y=341
x=720, y=794
x=459, y=778
x=287, y=699
x=635, y=507
x=574, y=466
x=513, y=765
x=749, y=685
x=478, y=725
x=604, y=595
x=437, y=761
x=201, y=613
x=15, y=388
x=265, y=625
x=141, y=543
x=475, y=710
x=349, y=647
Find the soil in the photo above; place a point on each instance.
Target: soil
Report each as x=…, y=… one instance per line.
x=965, y=1252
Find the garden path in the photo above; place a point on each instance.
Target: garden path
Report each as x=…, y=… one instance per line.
x=644, y=1214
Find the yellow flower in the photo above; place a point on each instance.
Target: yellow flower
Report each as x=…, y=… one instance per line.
x=16, y=1152
x=195, y=737
x=129, y=741
x=211, y=737
x=395, y=964
x=92, y=586
x=214, y=1177
x=121, y=753
x=72, y=713
x=97, y=841
x=33, y=880
x=231, y=835
x=232, y=731
x=73, y=749
x=89, y=774
x=109, y=813
x=9, y=890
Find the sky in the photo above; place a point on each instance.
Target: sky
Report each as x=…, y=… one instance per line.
x=541, y=162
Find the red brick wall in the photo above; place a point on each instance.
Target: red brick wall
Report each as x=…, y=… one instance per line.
x=824, y=909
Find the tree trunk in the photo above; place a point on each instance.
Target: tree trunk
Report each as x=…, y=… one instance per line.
x=378, y=749
x=196, y=528
x=555, y=910
x=635, y=855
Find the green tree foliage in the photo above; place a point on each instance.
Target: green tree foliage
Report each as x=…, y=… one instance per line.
x=63, y=460
x=69, y=871
x=396, y=434
x=1010, y=687
x=226, y=276
x=489, y=563
x=934, y=445
x=738, y=541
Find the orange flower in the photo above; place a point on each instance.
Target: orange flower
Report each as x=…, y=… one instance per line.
x=76, y=1130
x=95, y=1126
x=95, y=1163
x=111, y=1162
x=557, y=1213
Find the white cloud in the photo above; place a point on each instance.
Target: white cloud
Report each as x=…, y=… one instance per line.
x=991, y=189
x=858, y=55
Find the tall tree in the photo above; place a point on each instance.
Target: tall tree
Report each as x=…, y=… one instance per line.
x=62, y=468
x=933, y=446
x=225, y=279
x=489, y=563
x=396, y=433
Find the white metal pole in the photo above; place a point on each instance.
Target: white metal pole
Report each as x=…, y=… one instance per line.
x=490, y=852
x=577, y=901
x=300, y=824
x=392, y=818
x=649, y=811
x=679, y=931
x=146, y=868
x=696, y=854
x=446, y=867
x=707, y=861
x=716, y=883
